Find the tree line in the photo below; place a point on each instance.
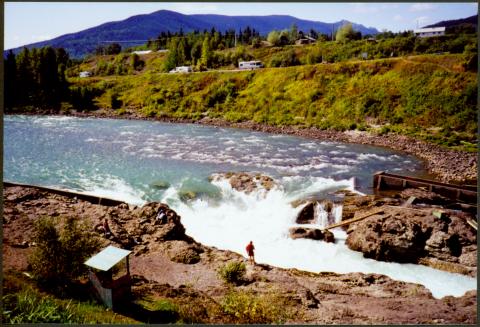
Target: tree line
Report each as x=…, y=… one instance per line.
x=36, y=77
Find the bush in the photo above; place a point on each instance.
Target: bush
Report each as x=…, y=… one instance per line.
x=60, y=253
x=232, y=272
x=248, y=308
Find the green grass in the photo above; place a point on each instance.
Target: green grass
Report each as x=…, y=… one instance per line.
x=247, y=307
x=24, y=303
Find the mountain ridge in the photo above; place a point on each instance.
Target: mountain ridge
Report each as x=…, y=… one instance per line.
x=148, y=26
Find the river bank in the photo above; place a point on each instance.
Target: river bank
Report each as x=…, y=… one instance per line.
x=446, y=165
x=167, y=264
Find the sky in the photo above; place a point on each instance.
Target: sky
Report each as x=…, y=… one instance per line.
x=29, y=22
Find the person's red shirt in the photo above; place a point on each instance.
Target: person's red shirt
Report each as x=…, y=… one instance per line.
x=250, y=249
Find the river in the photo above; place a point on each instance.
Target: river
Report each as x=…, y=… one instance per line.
x=141, y=161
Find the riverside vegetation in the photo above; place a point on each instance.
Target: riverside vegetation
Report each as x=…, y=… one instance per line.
x=408, y=85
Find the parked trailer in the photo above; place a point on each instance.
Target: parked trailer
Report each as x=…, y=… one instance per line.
x=254, y=64
x=386, y=181
x=182, y=69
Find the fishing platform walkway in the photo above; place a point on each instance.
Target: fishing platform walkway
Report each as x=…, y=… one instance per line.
x=85, y=197
x=387, y=181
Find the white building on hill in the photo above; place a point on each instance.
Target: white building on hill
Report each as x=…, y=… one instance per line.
x=431, y=31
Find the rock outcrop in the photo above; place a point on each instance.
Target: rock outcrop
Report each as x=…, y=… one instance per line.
x=409, y=235
x=246, y=182
x=311, y=233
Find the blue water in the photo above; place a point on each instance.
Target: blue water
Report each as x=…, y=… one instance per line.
x=124, y=159
x=84, y=154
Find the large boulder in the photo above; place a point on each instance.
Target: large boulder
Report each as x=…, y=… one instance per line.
x=183, y=252
x=403, y=235
x=307, y=214
x=311, y=233
x=246, y=182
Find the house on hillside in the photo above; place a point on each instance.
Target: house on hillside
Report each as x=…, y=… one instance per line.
x=305, y=40
x=430, y=31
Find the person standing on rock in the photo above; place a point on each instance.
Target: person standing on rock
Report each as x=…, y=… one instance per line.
x=106, y=228
x=250, y=253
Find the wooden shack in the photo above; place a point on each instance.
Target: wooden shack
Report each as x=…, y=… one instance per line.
x=110, y=290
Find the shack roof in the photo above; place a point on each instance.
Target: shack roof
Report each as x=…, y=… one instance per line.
x=107, y=258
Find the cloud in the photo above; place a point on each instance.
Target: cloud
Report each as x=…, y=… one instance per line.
x=422, y=7
x=422, y=20
x=195, y=8
x=398, y=18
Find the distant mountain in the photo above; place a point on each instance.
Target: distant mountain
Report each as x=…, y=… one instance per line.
x=473, y=20
x=142, y=27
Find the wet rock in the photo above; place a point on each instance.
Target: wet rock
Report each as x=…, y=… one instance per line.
x=311, y=233
x=246, y=182
x=187, y=195
x=307, y=214
x=161, y=185
x=404, y=235
x=388, y=239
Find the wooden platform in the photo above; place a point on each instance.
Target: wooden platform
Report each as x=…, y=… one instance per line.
x=387, y=181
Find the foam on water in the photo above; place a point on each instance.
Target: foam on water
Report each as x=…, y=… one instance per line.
x=112, y=188
x=265, y=217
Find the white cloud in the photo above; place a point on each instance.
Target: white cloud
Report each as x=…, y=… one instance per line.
x=398, y=18
x=195, y=8
x=422, y=7
x=422, y=20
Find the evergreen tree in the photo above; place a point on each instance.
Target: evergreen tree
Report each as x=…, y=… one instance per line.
x=10, y=80
x=25, y=78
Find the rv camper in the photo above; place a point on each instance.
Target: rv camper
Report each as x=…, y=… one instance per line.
x=250, y=64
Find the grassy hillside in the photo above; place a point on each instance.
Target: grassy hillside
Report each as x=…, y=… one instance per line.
x=429, y=96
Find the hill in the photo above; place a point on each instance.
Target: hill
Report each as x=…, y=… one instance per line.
x=456, y=22
x=432, y=97
x=143, y=27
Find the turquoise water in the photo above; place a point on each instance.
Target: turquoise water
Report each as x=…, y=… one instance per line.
x=124, y=159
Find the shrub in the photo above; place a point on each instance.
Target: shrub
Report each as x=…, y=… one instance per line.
x=115, y=102
x=60, y=253
x=248, y=308
x=232, y=272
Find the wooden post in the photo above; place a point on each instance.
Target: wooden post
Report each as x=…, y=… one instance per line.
x=128, y=267
x=379, y=182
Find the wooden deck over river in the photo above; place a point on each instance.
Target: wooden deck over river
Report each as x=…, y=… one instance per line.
x=461, y=193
